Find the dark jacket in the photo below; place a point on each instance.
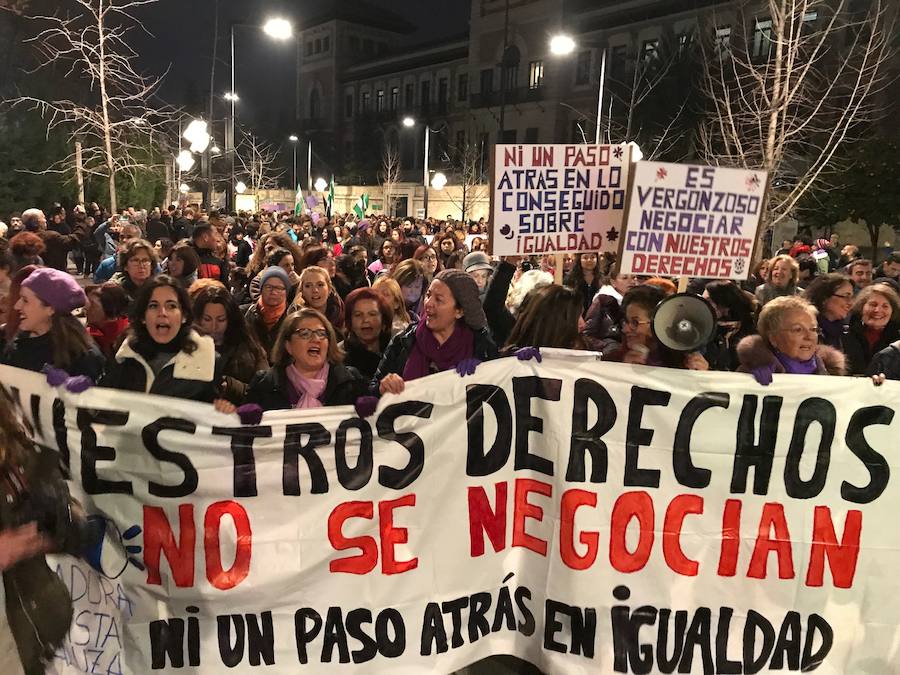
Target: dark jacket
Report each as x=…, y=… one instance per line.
x=239, y=366
x=887, y=362
x=211, y=267
x=721, y=352
x=193, y=376
x=364, y=360
x=500, y=320
x=856, y=346
x=754, y=352
x=58, y=245
x=269, y=389
x=157, y=229
x=31, y=353
x=398, y=349
x=265, y=336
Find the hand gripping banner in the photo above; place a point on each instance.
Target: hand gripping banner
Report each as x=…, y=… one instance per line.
x=584, y=516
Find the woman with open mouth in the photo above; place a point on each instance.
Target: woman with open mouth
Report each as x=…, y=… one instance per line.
x=48, y=334
x=308, y=369
x=368, y=319
x=452, y=334
x=162, y=353
x=317, y=292
x=874, y=324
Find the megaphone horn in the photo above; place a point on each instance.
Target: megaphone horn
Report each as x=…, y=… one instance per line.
x=683, y=322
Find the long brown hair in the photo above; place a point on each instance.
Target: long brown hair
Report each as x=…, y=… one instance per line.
x=69, y=339
x=548, y=318
x=14, y=440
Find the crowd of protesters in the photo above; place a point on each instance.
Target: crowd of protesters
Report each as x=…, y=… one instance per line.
x=285, y=311
x=266, y=312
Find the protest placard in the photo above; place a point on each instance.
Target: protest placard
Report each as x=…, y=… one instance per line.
x=558, y=198
x=692, y=221
x=588, y=517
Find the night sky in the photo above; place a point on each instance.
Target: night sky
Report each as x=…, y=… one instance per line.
x=182, y=36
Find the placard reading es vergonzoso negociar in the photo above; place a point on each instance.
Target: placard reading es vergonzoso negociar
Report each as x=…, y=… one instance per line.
x=695, y=221
x=558, y=198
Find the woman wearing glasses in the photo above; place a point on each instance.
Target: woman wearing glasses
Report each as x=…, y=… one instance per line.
x=788, y=342
x=430, y=263
x=265, y=316
x=874, y=325
x=832, y=296
x=137, y=264
x=308, y=369
x=639, y=344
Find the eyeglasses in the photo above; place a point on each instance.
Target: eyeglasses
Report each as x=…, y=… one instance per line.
x=268, y=288
x=842, y=296
x=798, y=331
x=429, y=257
x=634, y=324
x=310, y=333
x=141, y=261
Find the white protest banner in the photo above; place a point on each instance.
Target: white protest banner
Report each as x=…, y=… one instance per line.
x=558, y=198
x=588, y=517
x=694, y=221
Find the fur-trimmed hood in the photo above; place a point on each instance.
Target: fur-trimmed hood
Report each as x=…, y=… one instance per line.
x=754, y=352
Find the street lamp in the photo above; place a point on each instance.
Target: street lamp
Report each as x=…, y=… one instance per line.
x=216, y=150
x=411, y=122
x=197, y=135
x=240, y=187
x=439, y=181
x=563, y=45
x=321, y=185
x=184, y=188
x=185, y=160
x=276, y=28
x=293, y=139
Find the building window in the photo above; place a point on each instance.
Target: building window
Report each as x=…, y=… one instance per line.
x=579, y=131
x=531, y=135
x=487, y=80
x=460, y=140
x=410, y=96
x=649, y=50
x=535, y=74
x=379, y=100
x=364, y=102
x=723, y=38
x=425, y=92
x=354, y=43
x=462, y=87
x=443, y=93
x=583, y=68
x=309, y=48
x=395, y=97
x=318, y=49
x=508, y=136
x=810, y=16
x=348, y=150
x=315, y=104
x=326, y=43
x=618, y=57
x=511, y=76
x=762, y=38
x=348, y=105
x=684, y=40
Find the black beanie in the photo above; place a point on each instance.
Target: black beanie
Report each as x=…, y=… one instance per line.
x=465, y=292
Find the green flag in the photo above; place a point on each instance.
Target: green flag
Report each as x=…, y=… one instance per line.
x=359, y=208
x=298, y=201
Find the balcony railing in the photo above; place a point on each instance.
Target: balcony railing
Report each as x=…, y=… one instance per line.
x=513, y=96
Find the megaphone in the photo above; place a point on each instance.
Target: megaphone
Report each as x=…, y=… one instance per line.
x=683, y=322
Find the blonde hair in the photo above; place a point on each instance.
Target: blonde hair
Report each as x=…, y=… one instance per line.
x=399, y=306
x=315, y=269
x=795, y=268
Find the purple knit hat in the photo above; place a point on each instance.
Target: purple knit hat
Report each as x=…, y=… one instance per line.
x=56, y=289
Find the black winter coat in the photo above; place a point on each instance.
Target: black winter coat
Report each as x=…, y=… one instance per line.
x=269, y=389
x=398, y=349
x=856, y=346
x=887, y=362
x=31, y=353
x=500, y=320
x=265, y=336
x=193, y=376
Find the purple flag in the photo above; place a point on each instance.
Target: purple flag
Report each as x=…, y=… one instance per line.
x=315, y=217
x=312, y=201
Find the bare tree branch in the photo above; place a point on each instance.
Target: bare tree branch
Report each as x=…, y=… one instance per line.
x=257, y=158
x=390, y=174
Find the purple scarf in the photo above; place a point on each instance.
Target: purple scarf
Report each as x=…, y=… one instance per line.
x=427, y=352
x=304, y=392
x=797, y=367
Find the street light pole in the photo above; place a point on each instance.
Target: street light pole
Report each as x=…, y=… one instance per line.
x=427, y=139
x=309, y=185
x=600, y=92
x=293, y=139
x=230, y=192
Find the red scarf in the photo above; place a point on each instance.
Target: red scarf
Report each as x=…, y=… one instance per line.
x=270, y=315
x=428, y=356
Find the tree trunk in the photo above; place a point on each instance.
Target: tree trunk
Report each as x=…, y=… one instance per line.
x=104, y=101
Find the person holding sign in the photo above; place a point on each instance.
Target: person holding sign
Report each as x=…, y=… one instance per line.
x=453, y=335
x=308, y=369
x=781, y=279
x=639, y=344
x=787, y=343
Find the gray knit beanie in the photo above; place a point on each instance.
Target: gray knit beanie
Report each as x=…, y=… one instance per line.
x=278, y=273
x=465, y=292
